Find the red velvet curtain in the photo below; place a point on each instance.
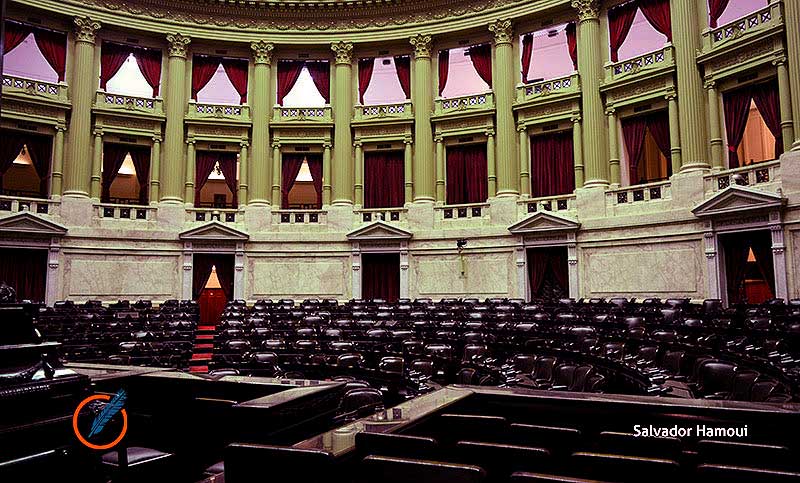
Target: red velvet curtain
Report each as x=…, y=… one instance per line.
x=466, y=174
x=768, y=103
x=236, y=69
x=527, y=51
x=657, y=13
x=204, y=165
x=380, y=276
x=658, y=125
x=715, y=10
x=560, y=266
x=633, y=131
x=552, y=165
x=26, y=271
x=384, y=179
x=203, y=69
x=444, y=68
x=53, y=46
x=365, y=67
x=736, y=105
x=315, y=166
x=620, y=20
x=149, y=62
x=112, y=56
x=481, y=57
x=291, y=164
x=402, y=64
x=40, y=149
x=227, y=164
x=321, y=75
x=288, y=73
x=113, y=157
x=538, y=262
x=15, y=33
x=202, y=264
x=10, y=147
x=572, y=44
x=141, y=162
x=225, y=267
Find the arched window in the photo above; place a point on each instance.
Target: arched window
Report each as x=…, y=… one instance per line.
x=26, y=60
x=304, y=92
x=547, y=53
x=129, y=80
x=384, y=85
x=459, y=71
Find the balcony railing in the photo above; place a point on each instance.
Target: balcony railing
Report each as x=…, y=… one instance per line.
x=758, y=175
x=561, y=85
x=657, y=59
x=125, y=212
x=37, y=88
x=384, y=111
x=563, y=203
x=767, y=17
x=320, y=114
x=473, y=102
x=368, y=215
x=452, y=212
x=299, y=217
x=640, y=193
x=224, y=215
x=234, y=112
x=129, y=103
x=21, y=203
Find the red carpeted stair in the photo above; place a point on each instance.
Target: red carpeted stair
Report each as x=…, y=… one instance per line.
x=203, y=347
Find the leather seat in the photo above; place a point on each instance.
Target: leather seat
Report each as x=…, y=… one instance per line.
x=243, y=461
x=625, y=469
x=741, y=474
x=523, y=477
x=384, y=469
x=400, y=445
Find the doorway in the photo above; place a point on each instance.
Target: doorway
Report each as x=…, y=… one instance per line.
x=212, y=284
x=25, y=270
x=548, y=273
x=380, y=276
x=749, y=269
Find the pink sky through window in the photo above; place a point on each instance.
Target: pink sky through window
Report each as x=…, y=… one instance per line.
x=642, y=38
x=25, y=60
x=550, y=57
x=462, y=78
x=384, y=88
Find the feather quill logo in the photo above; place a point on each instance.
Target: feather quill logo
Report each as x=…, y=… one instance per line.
x=109, y=411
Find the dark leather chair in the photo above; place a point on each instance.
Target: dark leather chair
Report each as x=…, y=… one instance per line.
x=243, y=461
x=385, y=469
x=709, y=473
x=523, y=477
x=399, y=445
x=625, y=469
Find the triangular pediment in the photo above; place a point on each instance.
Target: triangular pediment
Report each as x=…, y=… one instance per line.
x=378, y=231
x=543, y=222
x=214, y=231
x=31, y=225
x=736, y=199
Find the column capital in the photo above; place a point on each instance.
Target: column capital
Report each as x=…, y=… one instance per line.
x=276, y=144
x=587, y=9
x=438, y=138
x=521, y=126
x=358, y=143
x=262, y=51
x=422, y=45
x=98, y=131
x=610, y=110
x=709, y=83
x=408, y=140
x=244, y=143
x=343, y=52
x=503, y=30
x=85, y=29
x=190, y=141
x=671, y=94
x=780, y=60
x=61, y=126
x=177, y=44
x=157, y=138
x=575, y=117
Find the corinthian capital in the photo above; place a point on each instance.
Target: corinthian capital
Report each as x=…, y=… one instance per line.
x=343, y=51
x=502, y=30
x=86, y=29
x=587, y=9
x=177, y=45
x=422, y=45
x=262, y=51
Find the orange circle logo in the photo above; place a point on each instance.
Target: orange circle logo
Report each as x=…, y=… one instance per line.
x=85, y=441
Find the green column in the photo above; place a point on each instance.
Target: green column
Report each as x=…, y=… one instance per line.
x=155, y=166
x=58, y=161
x=491, y=169
x=595, y=136
x=260, y=162
x=577, y=148
x=97, y=164
x=83, y=84
x=785, y=96
x=686, y=39
x=407, y=166
x=422, y=98
x=714, y=124
x=613, y=147
x=791, y=11
x=189, y=183
x=440, y=171
x=326, y=173
x=244, y=169
x=342, y=182
x=172, y=166
x=358, y=185
x=276, y=175
x=674, y=130
x=503, y=87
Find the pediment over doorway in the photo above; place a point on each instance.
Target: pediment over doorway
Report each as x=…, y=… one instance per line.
x=544, y=222
x=28, y=224
x=737, y=199
x=379, y=231
x=214, y=231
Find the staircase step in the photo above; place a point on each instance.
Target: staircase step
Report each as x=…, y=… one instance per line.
x=206, y=328
x=201, y=357
x=199, y=369
x=205, y=337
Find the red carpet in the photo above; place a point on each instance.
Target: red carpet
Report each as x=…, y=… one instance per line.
x=203, y=347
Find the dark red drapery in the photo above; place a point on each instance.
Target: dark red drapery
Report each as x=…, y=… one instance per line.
x=380, y=277
x=365, y=67
x=572, y=44
x=291, y=164
x=466, y=174
x=736, y=105
x=112, y=56
x=315, y=167
x=559, y=264
x=15, y=33
x=552, y=165
x=657, y=13
x=634, y=130
x=149, y=62
x=227, y=164
x=384, y=179
x=236, y=70
x=736, y=250
x=141, y=162
x=402, y=64
x=202, y=264
x=527, y=51
x=321, y=75
x=715, y=10
x=10, y=147
x=53, y=46
x=203, y=69
x=658, y=125
x=288, y=73
x=768, y=103
x=444, y=68
x=538, y=261
x=481, y=57
x=620, y=20
x=26, y=271
x=204, y=165
x=113, y=156
x=40, y=149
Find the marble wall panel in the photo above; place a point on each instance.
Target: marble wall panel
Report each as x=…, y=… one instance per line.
x=297, y=277
x=486, y=274
x=112, y=277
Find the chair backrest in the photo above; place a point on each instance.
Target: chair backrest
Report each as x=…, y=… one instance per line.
x=625, y=469
x=385, y=469
x=525, y=477
x=243, y=461
x=400, y=445
x=741, y=474
x=500, y=460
